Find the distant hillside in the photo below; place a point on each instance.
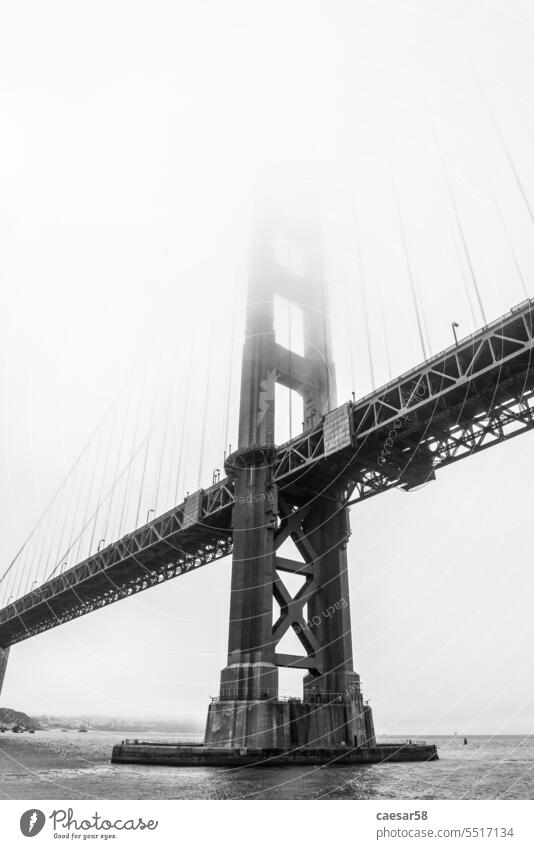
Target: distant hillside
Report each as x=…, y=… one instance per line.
x=123, y=724
x=9, y=718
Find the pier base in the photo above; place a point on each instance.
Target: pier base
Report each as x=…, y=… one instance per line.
x=162, y=754
x=279, y=733
x=273, y=724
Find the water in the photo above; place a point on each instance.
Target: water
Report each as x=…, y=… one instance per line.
x=59, y=765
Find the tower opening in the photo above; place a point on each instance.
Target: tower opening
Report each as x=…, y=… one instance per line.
x=289, y=414
x=289, y=325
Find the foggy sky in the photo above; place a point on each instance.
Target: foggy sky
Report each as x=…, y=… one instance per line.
x=132, y=135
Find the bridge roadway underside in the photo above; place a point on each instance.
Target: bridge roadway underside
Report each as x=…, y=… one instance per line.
x=458, y=403
x=153, y=554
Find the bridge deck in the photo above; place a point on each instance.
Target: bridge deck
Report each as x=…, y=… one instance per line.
x=457, y=403
x=465, y=399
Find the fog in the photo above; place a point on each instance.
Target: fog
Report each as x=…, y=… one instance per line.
x=133, y=139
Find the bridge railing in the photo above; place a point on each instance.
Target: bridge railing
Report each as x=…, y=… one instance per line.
x=319, y=698
x=159, y=741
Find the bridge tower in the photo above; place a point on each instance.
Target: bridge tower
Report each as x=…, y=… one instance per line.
x=286, y=261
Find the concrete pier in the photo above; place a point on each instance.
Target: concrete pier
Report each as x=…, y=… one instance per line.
x=161, y=754
x=283, y=725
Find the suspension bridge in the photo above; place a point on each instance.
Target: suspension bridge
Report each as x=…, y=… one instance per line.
x=471, y=396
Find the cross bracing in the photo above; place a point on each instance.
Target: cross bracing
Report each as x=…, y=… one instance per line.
x=466, y=399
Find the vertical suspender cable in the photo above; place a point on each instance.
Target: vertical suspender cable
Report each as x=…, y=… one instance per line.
x=61, y=486
x=185, y=402
x=230, y=371
x=514, y=256
x=103, y=500
x=48, y=556
x=115, y=473
x=101, y=488
x=61, y=542
x=129, y=474
x=509, y=243
x=423, y=314
x=508, y=155
x=43, y=545
x=461, y=231
x=145, y=461
x=162, y=454
x=462, y=275
x=290, y=371
x=87, y=503
x=24, y=571
x=518, y=183
x=410, y=272
x=325, y=311
x=81, y=488
x=350, y=330
x=384, y=330
x=364, y=294
x=205, y=415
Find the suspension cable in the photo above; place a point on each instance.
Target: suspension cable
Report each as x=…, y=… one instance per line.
x=101, y=503
x=460, y=230
x=182, y=428
x=508, y=155
x=64, y=480
x=145, y=461
x=359, y=260
x=410, y=271
x=230, y=370
x=117, y=462
x=205, y=415
x=162, y=454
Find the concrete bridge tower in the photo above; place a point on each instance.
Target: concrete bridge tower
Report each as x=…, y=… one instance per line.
x=286, y=261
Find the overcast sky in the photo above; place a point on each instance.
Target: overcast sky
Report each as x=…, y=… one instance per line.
x=131, y=138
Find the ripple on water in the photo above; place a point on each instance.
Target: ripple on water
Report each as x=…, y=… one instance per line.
x=52, y=765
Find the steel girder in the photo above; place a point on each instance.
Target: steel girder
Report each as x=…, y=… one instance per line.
x=292, y=607
x=154, y=553
x=460, y=402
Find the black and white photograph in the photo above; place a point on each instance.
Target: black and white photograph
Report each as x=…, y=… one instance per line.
x=266, y=394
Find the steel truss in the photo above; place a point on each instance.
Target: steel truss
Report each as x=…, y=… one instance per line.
x=469, y=397
x=462, y=401
x=292, y=607
x=154, y=553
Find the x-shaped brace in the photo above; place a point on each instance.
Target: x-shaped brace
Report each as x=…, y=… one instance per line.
x=292, y=607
